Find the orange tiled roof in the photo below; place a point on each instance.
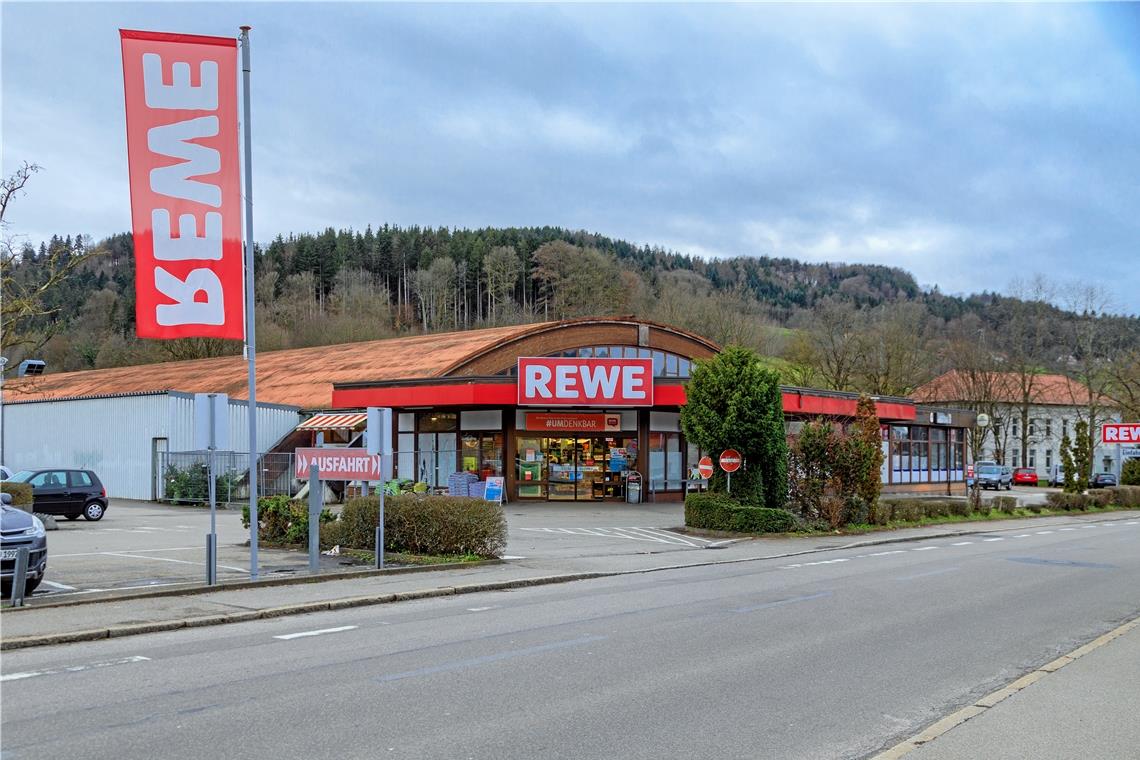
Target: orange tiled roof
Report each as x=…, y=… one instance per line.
x=954, y=386
x=296, y=377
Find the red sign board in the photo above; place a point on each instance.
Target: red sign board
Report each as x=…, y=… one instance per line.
x=1120, y=432
x=182, y=149
x=705, y=467
x=337, y=464
x=589, y=423
x=730, y=460
x=558, y=381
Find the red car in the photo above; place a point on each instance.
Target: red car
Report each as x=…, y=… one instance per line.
x=1025, y=476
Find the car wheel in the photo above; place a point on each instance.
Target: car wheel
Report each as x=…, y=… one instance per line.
x=93, y=511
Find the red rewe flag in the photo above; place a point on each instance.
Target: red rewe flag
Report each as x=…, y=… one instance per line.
x=182, y=148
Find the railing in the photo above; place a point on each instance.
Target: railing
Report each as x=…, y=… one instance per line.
x=183, y=476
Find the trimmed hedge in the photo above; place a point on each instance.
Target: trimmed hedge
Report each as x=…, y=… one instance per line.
x=911, y=510
x=1130, y=473
x=1068, y=501
x=1007, y=504
x=21, y=493
x=418, y=524
x=1126, y=496
x=714, y=511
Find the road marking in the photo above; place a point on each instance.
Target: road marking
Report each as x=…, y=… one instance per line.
x=169, y=559
x=73, y=668
x=59, y=586
x=654, y=535
x=1062, y=530
x=1134, y=522
x=782, y=602
x=511, y=556
x=483, y=609
x=476, y=661
x=1083, y=526
x=993, y=539
x=1044, y=532
x=321, y=632
x=130, y=551
x=924, y=548
x=943, y=571
x=883, y=554
x=962, y=543
x=1021, y=535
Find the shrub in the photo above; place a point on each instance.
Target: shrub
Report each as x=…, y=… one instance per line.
x=282, y=520
x=1130, y=473
x=436, y=525
x=1102, y=497
x=1068, y=501
x=711, y=511
x=1007, y=504
x=913, y=510
x=1125, y=496
x=21, y=493
x=1034, y=508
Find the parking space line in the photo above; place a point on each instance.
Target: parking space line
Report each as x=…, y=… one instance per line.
x=170, y=559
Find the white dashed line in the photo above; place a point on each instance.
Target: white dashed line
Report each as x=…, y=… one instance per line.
x=883, y=554
x=302, y=634
x=993, y=539
x=924, y=548
x=483, y=609
x=1088, y=526
x=73, y=668
x=1132, y=523
x=1044, y=532
x=1022, y=535
x=1063, y=530
x=962, y=543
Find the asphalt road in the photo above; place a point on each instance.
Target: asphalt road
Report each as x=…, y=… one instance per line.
x=836, y=655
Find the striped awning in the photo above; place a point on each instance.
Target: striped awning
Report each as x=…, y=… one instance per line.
x=335, y=421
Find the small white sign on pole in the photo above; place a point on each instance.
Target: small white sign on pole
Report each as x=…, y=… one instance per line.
x=211, y=421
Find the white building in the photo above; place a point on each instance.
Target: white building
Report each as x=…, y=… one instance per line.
x=122, y=437
x=1026, y=426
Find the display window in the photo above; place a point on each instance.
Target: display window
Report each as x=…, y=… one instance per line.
x=574, y=468
x=482, y=454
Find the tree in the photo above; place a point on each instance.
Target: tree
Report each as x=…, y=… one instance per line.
x=1068, y=467
x=733, y=402
x=502, y=268
x=892, y=358
x=866, y=452
x=1083, y=448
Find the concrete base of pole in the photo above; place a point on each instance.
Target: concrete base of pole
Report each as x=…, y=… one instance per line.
x=20, y=576
x=379, y=548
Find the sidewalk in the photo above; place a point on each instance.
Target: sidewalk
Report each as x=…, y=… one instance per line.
x=1085, y=708
x=125, y=615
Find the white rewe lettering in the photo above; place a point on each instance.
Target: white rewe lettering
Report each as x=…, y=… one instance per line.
x=174, y=140
x=179, y=95
x=565, y=384
x=187, y=245
x=633, y=382
x=537, y=381
x=601, y=382
x=186, y=310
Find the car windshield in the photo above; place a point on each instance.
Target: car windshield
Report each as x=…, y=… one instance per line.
x=990, y=470
x=23, y=476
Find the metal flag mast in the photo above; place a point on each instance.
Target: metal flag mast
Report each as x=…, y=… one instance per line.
x=250, y=322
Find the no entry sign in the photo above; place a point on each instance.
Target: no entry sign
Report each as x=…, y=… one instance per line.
x=338, y=464
x=705, y=467
x=730, y=460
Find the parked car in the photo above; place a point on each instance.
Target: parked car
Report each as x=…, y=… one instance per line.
x=995, y=476
x=1103, y=480
x=1025, y=476
x=1056, y=476
x=17, y=529
x=69, y=493
x=5, y=473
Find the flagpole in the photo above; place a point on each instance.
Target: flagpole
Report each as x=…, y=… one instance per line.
x=250, y=321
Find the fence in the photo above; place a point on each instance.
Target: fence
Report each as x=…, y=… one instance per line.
x=182, y=476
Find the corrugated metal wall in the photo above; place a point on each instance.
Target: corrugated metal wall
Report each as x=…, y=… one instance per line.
x=115, y=436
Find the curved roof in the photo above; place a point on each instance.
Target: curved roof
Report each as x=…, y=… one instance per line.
x=304, y=377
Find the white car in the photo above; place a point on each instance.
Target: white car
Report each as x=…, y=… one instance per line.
x=5, y=473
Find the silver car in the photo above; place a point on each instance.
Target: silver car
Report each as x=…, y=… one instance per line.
x=19, y=529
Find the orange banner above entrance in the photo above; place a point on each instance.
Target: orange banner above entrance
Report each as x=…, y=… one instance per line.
x=576, y=423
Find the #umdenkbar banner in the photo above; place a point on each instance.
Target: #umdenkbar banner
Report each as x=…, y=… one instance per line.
x=182, y=148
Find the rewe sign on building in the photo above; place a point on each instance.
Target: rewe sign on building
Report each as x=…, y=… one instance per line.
x=1120, y=432
x=182, y=147
x=547, y=381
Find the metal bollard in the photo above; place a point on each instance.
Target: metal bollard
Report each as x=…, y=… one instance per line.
x=211, y=559
x=20, y=576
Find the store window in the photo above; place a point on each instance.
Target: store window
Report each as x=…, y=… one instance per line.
x=574, y=468
x=429, y=454
x=665, y=466
x=482, y=454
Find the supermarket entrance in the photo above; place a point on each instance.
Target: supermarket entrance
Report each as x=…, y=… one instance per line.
x=591, y=468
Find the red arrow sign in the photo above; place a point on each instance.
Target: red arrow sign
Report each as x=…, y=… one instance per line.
x=730, y=460
x=705, y=467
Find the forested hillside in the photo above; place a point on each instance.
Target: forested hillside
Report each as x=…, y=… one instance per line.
x=848, y=326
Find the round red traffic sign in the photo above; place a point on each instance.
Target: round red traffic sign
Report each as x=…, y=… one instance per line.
x=705, y=467
x=730, y=460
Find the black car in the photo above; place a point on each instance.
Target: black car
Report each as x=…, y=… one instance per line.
x=68, y=493
x=19, y=529
x=1102, y=480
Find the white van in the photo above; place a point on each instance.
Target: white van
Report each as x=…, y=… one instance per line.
x=1056, y=476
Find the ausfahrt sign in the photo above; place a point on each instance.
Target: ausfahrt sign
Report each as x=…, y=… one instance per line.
x=182, y=155
x=1120, y=432
x=338, y=464
x=730, y=460
x=564, y=381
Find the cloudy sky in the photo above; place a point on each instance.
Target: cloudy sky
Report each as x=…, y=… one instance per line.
x=971, y=145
